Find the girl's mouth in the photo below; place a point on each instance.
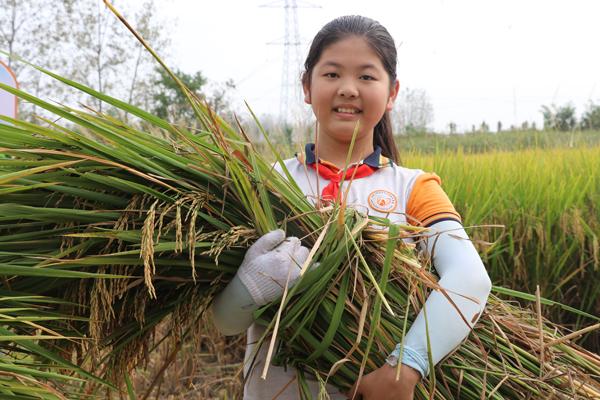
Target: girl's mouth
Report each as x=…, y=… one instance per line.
x=345, y=110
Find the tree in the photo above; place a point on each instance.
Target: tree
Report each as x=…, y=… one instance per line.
x=33, y=31
x=559, y=118
x=107, y=57
x=452, y=127
x=85, y=42
x=484, y=127
x=591, y=117
x=19, y=23
x=169, y=101
x=141, y=89
x=218, y=99
x=414, y=111
x=288, y=134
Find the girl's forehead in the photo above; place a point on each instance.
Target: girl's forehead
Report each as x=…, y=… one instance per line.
x=352, y=51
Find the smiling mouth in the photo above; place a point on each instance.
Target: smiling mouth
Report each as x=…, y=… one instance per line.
x=347, y=110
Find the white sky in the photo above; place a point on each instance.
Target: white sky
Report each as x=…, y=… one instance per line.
x=477, y=60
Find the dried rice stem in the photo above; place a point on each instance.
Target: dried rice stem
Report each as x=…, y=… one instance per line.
x=147, y=249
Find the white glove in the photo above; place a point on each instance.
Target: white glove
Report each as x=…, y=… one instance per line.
x=269, y=263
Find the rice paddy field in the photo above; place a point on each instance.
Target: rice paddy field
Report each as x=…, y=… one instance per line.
x=479, y=142
x=540, y=208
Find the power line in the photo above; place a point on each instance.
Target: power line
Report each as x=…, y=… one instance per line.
x=290, y=95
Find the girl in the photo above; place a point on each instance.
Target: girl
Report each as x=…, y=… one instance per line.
x=350, y=78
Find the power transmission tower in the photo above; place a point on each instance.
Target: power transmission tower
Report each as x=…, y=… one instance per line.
x=290, y=100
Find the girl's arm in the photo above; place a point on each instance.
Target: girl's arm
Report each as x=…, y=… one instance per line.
x=461, y=271
x=233, y=308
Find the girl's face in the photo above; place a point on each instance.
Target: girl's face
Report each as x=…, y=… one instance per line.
x=349, y=84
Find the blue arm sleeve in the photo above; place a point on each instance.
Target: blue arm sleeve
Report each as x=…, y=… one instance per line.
x=461, y=272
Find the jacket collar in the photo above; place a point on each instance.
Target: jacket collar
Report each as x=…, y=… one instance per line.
x=375, y=159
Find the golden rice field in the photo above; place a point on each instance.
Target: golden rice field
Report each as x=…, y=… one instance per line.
x=547, y=201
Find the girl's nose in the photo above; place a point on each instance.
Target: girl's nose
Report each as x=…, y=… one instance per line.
x=347, y=89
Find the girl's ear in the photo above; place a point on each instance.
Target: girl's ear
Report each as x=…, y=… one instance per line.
x=306, y=89
x=393, y=95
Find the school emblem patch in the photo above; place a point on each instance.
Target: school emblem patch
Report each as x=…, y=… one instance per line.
x=383, y=201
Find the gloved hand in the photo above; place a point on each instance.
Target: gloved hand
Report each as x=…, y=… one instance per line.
x=267, y=264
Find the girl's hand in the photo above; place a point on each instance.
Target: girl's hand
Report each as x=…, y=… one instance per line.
x=381, y=384
x=271, y=262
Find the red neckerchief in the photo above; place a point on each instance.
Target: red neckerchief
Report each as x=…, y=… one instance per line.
x=334, y=176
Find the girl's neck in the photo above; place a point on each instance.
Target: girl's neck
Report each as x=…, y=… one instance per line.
x=336, y=152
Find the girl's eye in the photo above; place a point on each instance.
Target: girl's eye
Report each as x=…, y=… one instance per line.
x=331, y=75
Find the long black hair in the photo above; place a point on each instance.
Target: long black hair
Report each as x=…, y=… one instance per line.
x=382, y=43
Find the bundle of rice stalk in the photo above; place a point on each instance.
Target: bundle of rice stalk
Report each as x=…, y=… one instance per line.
x=136, y=227
x=149, y=219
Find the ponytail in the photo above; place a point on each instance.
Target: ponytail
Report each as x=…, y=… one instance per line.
x=383, y=137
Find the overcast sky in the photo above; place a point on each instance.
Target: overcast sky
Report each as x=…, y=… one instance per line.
x=477, y=60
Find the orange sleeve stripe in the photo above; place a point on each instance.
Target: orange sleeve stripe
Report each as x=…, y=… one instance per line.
x=428, y=203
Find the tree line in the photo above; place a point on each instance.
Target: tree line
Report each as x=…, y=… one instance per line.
x=564, y=118
x=556, y=118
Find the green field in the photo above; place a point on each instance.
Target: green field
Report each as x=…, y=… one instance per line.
x=547, y=201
